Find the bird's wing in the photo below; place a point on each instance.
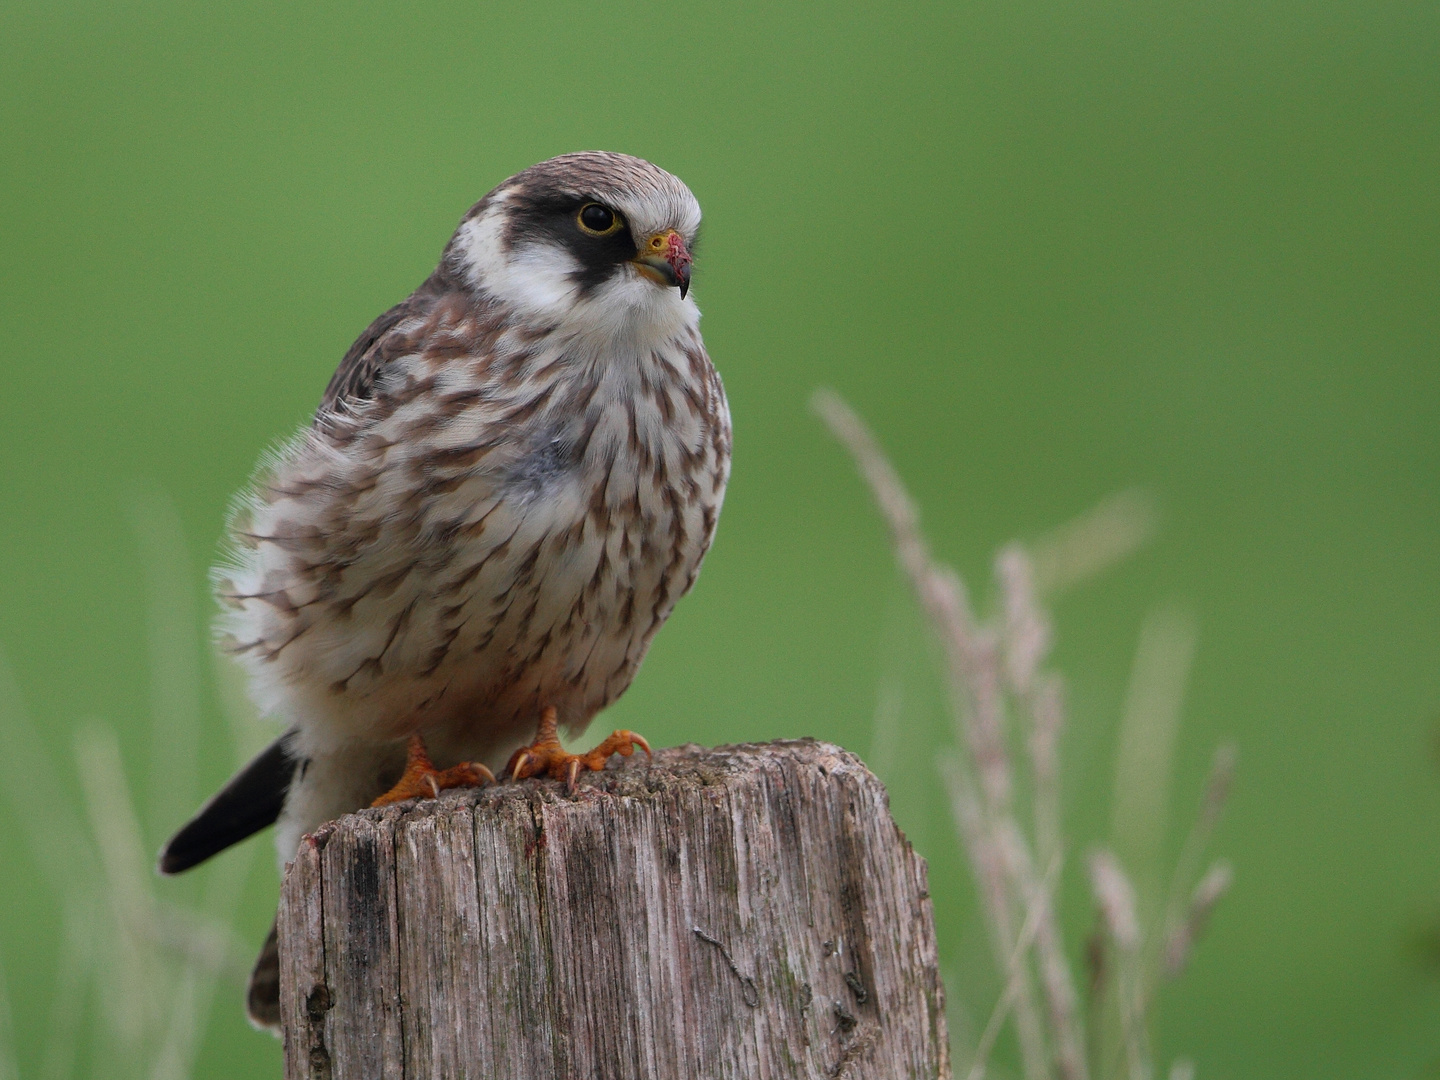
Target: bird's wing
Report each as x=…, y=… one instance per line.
x=249, y=802
x=383, y=340
x=354, y=379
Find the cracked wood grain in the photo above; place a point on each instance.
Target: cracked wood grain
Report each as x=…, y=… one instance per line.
x=741, y=912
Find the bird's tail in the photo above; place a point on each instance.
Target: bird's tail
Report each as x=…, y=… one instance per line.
x=248, y=803
x=262, y=1000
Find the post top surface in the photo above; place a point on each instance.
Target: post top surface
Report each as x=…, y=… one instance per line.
x=688, y=766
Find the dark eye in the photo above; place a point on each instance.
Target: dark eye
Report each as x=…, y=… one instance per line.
x=598, y=220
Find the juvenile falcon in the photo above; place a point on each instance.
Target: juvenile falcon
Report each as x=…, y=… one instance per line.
x=512, y=477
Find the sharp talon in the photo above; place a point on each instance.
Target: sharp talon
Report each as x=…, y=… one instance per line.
x=421, y=780
x=546, y=757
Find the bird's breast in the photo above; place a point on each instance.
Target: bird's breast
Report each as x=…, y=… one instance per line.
x=484, y=559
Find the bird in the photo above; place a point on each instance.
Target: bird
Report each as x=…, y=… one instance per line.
x=510, y=480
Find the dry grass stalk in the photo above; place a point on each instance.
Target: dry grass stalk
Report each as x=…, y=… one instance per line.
x=980, y=664
x=151, y=966
x=1116, y=898
x=1015, y=977
x=1001, y=695
x=1214, y=885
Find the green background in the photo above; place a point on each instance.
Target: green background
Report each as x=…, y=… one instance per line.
x=1050, y=250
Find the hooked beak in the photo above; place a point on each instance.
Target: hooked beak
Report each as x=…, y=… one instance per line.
x=665, y=260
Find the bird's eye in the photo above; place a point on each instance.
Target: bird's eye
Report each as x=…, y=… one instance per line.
x=598, y=220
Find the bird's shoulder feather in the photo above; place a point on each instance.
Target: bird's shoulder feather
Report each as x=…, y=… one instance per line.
x=388, y=337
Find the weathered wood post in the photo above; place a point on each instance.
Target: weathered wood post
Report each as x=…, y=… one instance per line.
x=747, y=912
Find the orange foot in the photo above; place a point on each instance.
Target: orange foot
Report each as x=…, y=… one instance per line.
x=421, y=780
x=545, y=755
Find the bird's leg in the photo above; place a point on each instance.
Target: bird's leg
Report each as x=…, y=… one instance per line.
x=421, y=780
x=545, y=755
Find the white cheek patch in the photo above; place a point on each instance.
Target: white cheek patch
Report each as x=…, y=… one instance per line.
x=540, y=277
x=479, y=244
x=536, y=279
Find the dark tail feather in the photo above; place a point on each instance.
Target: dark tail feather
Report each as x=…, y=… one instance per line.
x=248, y=803
x=262, y=1000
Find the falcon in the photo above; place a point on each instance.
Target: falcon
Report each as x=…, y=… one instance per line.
x=511, y=478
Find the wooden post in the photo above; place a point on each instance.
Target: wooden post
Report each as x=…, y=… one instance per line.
x=747, y=912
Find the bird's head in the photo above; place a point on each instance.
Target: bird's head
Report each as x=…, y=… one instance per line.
x=590, y=242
